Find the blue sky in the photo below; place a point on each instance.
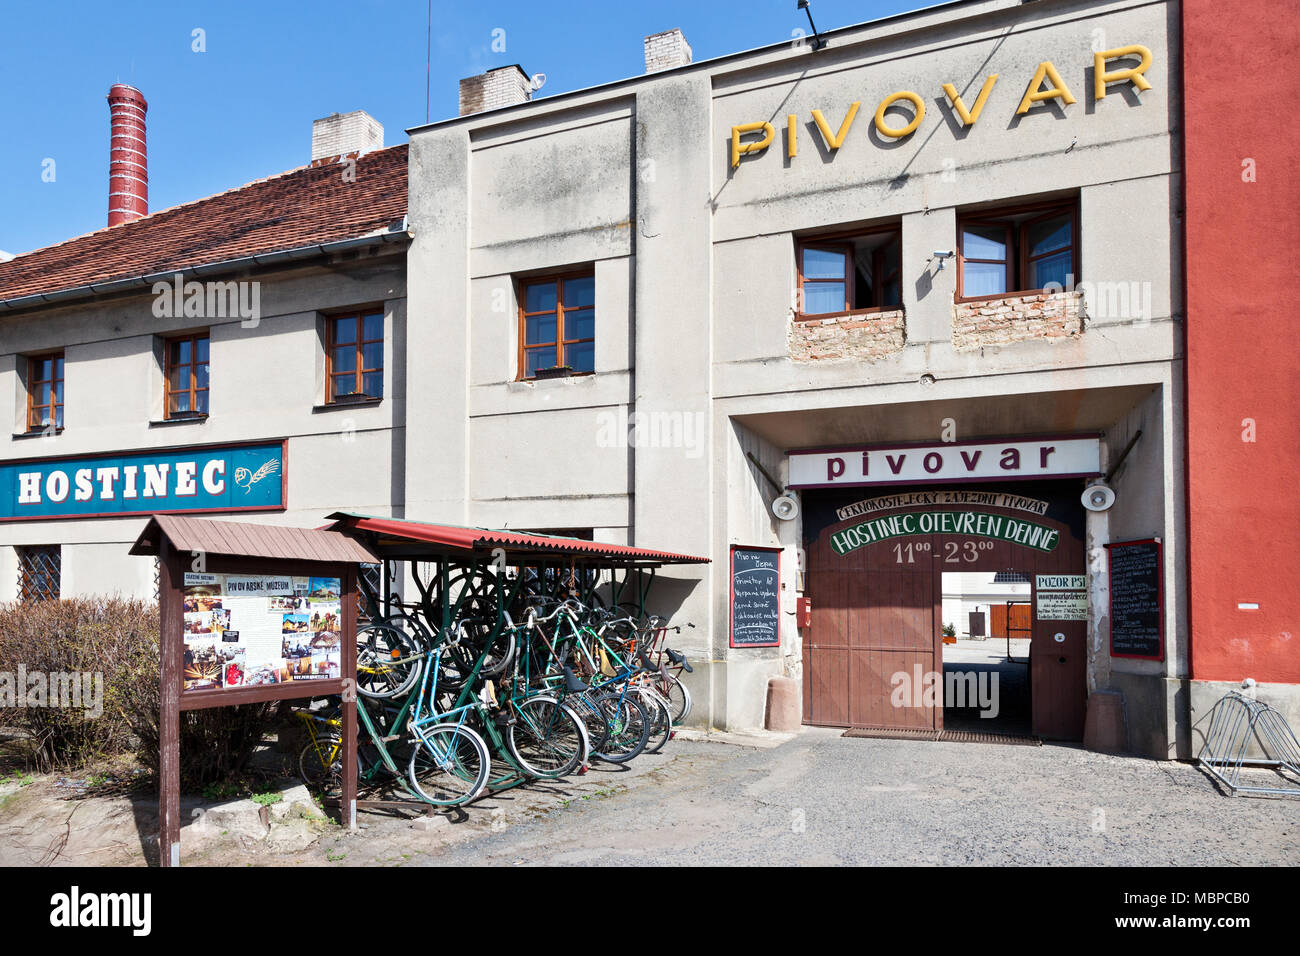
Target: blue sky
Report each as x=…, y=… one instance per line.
x=242, y=109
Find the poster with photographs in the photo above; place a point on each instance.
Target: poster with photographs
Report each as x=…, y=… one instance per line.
x=242, y=630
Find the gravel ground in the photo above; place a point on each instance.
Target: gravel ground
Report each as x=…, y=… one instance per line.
x=818, y=798
x=824, y=799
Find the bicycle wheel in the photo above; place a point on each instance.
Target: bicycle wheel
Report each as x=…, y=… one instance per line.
x=629, y=727
x=678, y=696
x=387, y=665
x=545, y=738
x=449, y=765
x=593, y=720
x=312, y=764
x=661, y=720
x=458, y=662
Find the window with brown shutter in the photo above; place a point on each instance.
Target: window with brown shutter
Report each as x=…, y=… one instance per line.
x=45, y=392
x=842, y=273
x=186, y=376
x=557, y=325
x=1017, y=250
x=354, y=357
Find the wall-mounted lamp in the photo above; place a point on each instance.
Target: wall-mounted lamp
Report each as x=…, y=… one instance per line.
x=816, y=42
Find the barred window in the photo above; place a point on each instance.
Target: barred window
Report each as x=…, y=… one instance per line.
x=40, y=571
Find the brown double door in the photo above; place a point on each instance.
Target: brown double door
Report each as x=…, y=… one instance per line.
x=876, y=639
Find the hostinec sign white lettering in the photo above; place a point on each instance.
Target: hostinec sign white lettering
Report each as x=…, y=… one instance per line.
x=954, y=461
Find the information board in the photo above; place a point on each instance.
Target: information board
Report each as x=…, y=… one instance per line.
x=755, y=596
x=1136, y=600
x=244, y=630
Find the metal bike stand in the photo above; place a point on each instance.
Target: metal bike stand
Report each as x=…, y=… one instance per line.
x=1237, y=722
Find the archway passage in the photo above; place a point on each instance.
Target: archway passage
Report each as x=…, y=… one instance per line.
x=873, y=655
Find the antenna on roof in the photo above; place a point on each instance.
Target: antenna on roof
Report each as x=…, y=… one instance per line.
x=428, y=62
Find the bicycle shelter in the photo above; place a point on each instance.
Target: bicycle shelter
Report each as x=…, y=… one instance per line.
x=214, y=557
x=453, y=553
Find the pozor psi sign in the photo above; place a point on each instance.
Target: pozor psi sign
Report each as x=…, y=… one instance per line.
x=243, y=477
x=991, y=460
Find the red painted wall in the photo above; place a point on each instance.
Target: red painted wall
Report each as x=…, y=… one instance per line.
x=1243, y=326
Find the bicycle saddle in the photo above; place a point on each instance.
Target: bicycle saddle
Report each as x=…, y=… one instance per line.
x=678, y=658
x=572, y=683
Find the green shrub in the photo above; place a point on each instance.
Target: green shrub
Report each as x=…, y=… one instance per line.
x=118, y=639
x=70, y=652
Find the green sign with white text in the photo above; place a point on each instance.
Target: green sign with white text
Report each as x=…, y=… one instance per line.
x=978, y=523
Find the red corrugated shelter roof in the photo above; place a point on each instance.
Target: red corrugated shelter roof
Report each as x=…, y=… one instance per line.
x=240, y=538
x=450, y=539
x=309, y=206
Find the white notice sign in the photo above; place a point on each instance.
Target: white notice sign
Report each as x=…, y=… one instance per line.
x=1063, y=605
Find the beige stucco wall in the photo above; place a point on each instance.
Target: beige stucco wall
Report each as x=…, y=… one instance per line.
x=702, y=299
x=267, y=383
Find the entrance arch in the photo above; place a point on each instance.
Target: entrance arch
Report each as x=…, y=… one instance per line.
x=875, y=559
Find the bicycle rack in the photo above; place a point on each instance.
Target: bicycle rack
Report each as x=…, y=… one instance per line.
x=1237, y=722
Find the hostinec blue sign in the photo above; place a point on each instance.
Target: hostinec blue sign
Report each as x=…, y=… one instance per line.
x=214, y=478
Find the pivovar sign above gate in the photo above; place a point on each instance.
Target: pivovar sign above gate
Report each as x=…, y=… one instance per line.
x=984, y=460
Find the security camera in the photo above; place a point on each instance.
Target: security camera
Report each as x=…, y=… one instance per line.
x=786, y=507
x=1098, y=496
x=943, y=255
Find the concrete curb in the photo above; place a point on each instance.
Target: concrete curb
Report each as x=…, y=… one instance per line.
x=760, y=739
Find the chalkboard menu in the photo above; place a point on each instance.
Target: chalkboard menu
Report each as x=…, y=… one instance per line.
x=755, y=597
x=1136, y=600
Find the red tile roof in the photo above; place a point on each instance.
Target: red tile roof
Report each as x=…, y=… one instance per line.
x=303, y=207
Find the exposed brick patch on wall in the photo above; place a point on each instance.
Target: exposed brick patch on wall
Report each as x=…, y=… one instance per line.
x=1017, y=318
x=847, y=337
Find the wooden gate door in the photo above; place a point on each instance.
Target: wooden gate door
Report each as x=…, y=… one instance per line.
x=876, y=642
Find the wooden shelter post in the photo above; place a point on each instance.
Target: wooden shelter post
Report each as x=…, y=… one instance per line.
x=348, y=798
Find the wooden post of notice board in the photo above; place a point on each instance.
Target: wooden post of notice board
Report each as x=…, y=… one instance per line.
x=171, y=604
x=173, y=698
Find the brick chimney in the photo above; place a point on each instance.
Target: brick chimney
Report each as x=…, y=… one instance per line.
x=666, y=50
x=340, y=134
x=128, y=157
x=504, y=86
